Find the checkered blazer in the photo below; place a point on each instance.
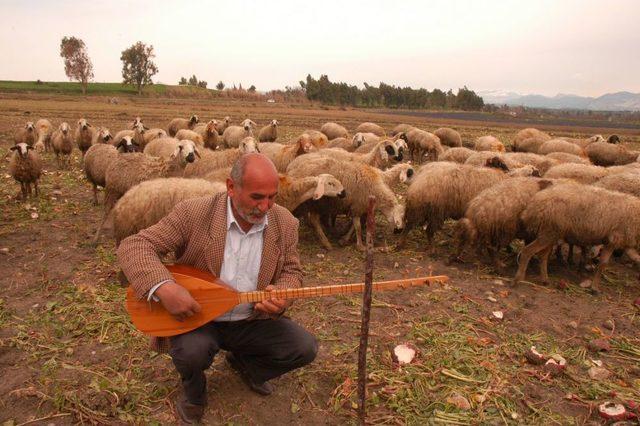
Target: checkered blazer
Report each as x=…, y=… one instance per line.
x=195, y=231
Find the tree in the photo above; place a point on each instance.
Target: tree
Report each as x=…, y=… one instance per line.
x=252, y=89
x=137, y=66
x=202, y=84
x=220, y=85
x=193, y=80
x=183, y=81
x=77, y=64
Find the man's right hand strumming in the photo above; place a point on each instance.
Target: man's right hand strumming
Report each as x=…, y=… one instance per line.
x=177, y=300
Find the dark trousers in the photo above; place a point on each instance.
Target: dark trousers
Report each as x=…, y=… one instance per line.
x=267, y=348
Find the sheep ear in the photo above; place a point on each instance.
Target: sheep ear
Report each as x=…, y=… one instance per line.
x=383, y=154
x=13, y=148
x=319, y=192
x=197, y=151
x=29, y=147
x=403, y=176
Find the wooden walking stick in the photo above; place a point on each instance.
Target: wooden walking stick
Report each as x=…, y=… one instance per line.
x=366, y=312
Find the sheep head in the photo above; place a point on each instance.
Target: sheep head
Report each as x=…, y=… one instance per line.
x=358, y=139
x=248, y=125
x=227, y=120
x=186, y=152
x=328, y=186
x=30, y=126
x=127, y=144
x=83, y=124
x=22, y=149
x=248, y=145
x=212, y=127
x=194, y=120
x=140, y=128
x=525, y=171
x=105, y=135
x=135, y=123
x=496, y=163
x=395, y=216
x=274, y=123
x=406, y=172
x=390, y=150
x=64, y=127
x=613, y=139
x=305, y=144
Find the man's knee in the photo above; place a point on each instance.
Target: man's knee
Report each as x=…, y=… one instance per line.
x=193, y=352
x=303, y=349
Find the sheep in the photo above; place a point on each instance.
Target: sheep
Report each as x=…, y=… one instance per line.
x=136, y=121
x=560, y=145
x=581, y=173
x=607, y=154
x=213, y=160
x=489, y=143
x=25, y=167
x=401, y=128
x=182, y=123
x=209, y=134
x=456, y=155
x=529, y=145
x=149, y=201
x=540, y=162
x=529, y=133
x=218, y=175
x=479, y=159
x=222, y=125
x=269, y=133
x=421, y=143
x=347, y=144
x=319, y=139
x=294, y=191
x=629, y=183
x=613, y=139
x=234, y=134
x=137, y=135
x=164, y=147
x=379, y=157
x=26, y=134
x=492, y=218
x=360, y=181
x=101, y=135
x=83, y=135
x=401, y=172
x=282, y=155
x=565, y=157
x=582, y=215
x=44, y=129
x=334, y=130
x=370, y=141
x=626, y=168
x=368, y=127
x=97, y=160
x=583, y=143
x=191, y=135
x=62, y=143
x=443, y=190
x=150, y=135
x=448, y=137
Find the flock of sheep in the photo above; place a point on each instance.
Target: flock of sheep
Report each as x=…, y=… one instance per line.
x=549, y=192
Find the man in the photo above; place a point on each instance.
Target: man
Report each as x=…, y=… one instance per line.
x=249, y=242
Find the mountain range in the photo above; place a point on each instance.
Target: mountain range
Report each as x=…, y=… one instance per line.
x=620, y=101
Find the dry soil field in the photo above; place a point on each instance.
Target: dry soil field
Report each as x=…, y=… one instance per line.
x=68, y=353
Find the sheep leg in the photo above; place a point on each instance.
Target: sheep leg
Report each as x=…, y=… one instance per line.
x=494, y=253
x=35, y=185
x=633, y=255
x=347, y=237
x=570, y=255
x=527, y=253
x=544, y=264
x=23, y=190
x=95, y=194
x=314, y=219
x=29, y=190
x=463, y=238
x=358, y=228
x=605, y=255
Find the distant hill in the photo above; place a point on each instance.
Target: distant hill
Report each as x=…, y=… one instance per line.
x=620, y=101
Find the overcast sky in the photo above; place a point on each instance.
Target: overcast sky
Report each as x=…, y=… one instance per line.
x=546, y=47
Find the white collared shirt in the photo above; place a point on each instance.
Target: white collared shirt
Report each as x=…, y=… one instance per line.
x=240, y=265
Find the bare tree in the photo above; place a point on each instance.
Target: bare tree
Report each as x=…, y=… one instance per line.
x=77, y=64
x=137, y=66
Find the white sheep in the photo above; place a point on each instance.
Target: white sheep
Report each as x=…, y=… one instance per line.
x=149, y=135
x=565, y=157
x=25, y=167
x=83, y=135
x=529, y=133
x=44, y=130
x=384, y=152
x=607, y=154
x=347, y=144
x=334, y=130
x=100, y=136
x=222, y=125
x=560, y=145
x=369, y=127
x=62, y=143
x=182, y=123
x=234, y=134
x=489, y=143
x=586, y=174
x=191, y=135
x=213, y=160
x=401, y=128
x=456, y=155
x=448, y=137
x=583, y=143
x=99, y=157
x=269, y=133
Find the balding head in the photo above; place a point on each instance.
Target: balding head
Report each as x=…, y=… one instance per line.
x=252, y=187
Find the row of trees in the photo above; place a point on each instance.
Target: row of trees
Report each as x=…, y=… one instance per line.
x=389, y=96
x=137, y=63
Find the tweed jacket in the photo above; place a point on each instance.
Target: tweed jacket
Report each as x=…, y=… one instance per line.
x=195, y=231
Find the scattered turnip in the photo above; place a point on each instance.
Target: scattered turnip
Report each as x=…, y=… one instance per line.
x=534, y=357
x=404, y=354
x=613, y=411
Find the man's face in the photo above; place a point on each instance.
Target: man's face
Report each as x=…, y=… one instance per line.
x=253, y=199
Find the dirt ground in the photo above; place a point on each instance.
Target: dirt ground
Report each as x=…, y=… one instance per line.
x=68, y=353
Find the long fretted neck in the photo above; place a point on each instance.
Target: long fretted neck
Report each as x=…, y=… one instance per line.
x=330, y=290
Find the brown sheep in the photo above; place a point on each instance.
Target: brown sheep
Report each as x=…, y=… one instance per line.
x=190, y=135
x=529, y=145
x=83, y=135
x=585, y=174
x=44, y=129
x=565, y=157
x=528, y=134
x=209, y=133
x=334, y=130
x=629, y=183
x=560, y=145
x=25, y=167
x=489, y=143
x=368, y=127
x=421, y=143
x=282, y=155
x=26, y=134
x=182, y=123
x=269, y=133
x=222, y=125
x=607, y=154
x=62, y=143
x=401, y=128
x=457, y=155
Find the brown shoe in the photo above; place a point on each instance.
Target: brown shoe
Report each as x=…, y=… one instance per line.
x=188, y=412
x=264, y=388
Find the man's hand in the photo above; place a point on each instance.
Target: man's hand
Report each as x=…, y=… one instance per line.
x=272, y=306
x=177, y=300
